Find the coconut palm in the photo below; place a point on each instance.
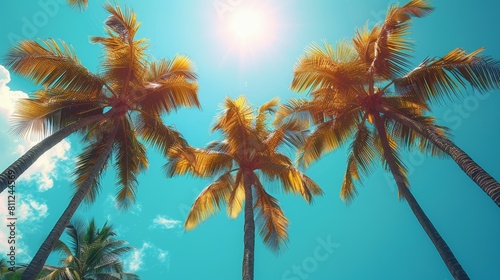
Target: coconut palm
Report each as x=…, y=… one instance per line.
x=247, y=155
x=351, y=93
x=384, y=52
x=125, y=101
x=74, y=98
x=92, y=253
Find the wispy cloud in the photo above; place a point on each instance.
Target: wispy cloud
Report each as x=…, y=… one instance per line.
x=165, y=222
x=136, y=260
x=30, y=210
x=43, y=172
x=147, y=253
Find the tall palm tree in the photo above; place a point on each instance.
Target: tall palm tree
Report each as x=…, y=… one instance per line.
x=248, y=154
x=93, y=253
x=385, y=54
x=126, y=99
x=352, y=99
x=74, y=98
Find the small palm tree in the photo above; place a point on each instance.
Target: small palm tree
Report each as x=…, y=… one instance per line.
x=93, y=253
x=248, y=155
x=112, y=109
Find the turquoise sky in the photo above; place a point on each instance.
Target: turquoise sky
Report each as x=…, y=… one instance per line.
x=376, y=237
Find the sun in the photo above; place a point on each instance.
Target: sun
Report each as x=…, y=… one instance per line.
x=250, y=27
x=247, y=25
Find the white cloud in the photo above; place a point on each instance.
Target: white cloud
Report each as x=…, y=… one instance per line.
x=137, y=258
x=43, y=172
x=31, y=210
x=135, y=261
x=165, y=222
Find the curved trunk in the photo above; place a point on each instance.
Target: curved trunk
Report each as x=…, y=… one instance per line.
x=446, y=254
x=25, y=161
x=249, y=228
x=484, y=180
x=41, y=256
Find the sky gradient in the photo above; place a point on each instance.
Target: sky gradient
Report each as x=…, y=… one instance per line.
x=375, y=237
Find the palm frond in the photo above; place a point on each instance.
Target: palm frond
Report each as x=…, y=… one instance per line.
x=267, y=108
x=78, y=4
x=210, y=200
x=270, y=219
x=130, y=160
x=152, y=129
x=391, y=49
x=348, y=190
x=53, y=65
x=437, y=79
x=326, y=137
x=86, y=162
x=325, y=66
x=237, y=198
x=169, y=95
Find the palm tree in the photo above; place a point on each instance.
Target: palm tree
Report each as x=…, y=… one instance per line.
x=248, y=155
x=74, y=98
x=384, y=51
x=93, y=253
x=126, y=99
x=352, y=99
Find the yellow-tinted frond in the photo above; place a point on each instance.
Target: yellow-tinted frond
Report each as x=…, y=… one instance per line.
x=391, y=48
x=210, y=201
x=53, y=65
x=167, y=95
x=271, y=219
x=436, y=79
x=348, y=190
x=237, y=198
x=362, y=149
x=179, y=66
x=88, y=159
x=122, y=22
x=325, y=68
x=78, y=4
x=326, y=137
x=264, y=111
x=153, y=130
x=130, y=160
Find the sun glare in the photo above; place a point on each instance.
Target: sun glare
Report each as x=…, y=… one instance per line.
x=250, y=27
x=247, y=25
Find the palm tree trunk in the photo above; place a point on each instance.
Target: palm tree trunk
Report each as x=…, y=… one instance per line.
x=484, y=180
x=446, y=254
x=25, y=161
x=249, y=228
x=41, y=256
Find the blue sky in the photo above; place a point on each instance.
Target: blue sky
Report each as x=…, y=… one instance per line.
x=376, y=237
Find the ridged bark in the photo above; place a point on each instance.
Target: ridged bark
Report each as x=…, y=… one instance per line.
x=444, y=251
x=25, y=161
x=43, y=252
x=249, y=229
x=484, y=180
